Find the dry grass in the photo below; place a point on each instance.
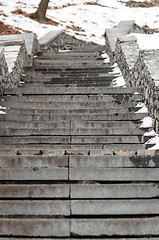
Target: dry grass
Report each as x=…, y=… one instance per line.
x=7, y=30
x=75, y=28
x=94, y=3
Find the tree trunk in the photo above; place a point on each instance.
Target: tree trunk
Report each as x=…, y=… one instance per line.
x=41, y=12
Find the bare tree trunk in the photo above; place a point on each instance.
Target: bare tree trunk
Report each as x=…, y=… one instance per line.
x=41, y=12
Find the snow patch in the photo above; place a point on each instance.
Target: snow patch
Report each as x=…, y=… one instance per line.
x=155, y=141
x=147, y=122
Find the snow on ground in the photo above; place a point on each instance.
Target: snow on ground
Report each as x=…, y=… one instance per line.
x=90, y=19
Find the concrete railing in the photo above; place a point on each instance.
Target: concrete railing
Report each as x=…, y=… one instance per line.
x=17, y=52
x=139, y=67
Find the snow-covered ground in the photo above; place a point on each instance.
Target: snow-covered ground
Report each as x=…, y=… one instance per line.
x=87, y=19
x=69, y=14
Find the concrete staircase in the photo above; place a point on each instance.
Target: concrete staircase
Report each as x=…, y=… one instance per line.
x=73, y=162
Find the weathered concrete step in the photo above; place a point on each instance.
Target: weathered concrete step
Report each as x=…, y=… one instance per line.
x=34, y=208
x=69, y=79
x=115, y=227
x=38, y=161
x=72, y=90
x=114, y=191
x=58, y=69
x=114, y=207
x=69, y=57
x=34, y=152
x=32, y=125
x=73, y=140
x=78, y=207
x=66, y=132
x=35, y=227
x=72, y=53
x=68, y=71
x=79, y=191
x=114, y=174
x=70, y=124
x=33, y=174
x=22, y=140
x=104, y=139
x=75, y=98
x=71, y=65
x=34, y=191
x=78, y=238
x=68, y=61
x=114, y=161
x=38, y=148
x=127, y=106
x=85, y=114
x=86, y=73
x=58, y=109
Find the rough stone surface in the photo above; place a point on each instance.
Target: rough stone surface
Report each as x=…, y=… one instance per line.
x=66, y=42
x=3, y=71
x=139, y=67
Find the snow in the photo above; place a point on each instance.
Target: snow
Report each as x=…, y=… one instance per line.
x=145, y=40
x=119, y=80
x=151, y=134
x=1, y=112
x=92, y=19
x=147, y=122
x=143, y=109
x=155, y=141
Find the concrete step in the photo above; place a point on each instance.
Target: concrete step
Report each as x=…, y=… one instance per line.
x=68, y=61
x=33, y=174
x=70, y=79
x=54, y=115
x=114, y=191
x=74, y=140
x=70, y=124
x=73, y=105
x=68, y=71
x=72, y=90
x=34, y=191
x=22, y=208
x=49, y=84
x=82, y=161
x=114, y=161
x=66, y=132
x=35, y=227
x=38, y=161
x=118, y=98
x=38, y=148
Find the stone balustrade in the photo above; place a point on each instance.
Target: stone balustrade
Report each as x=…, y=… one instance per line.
x=140, y=68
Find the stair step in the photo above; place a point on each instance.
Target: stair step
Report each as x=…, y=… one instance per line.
x=70, y=124
x=38, y=161
x=65, y=132
x=72, y=90
x=75, y=98
x=123, y=138
x=72, y=105
x=54, y=115
x=34, y=191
